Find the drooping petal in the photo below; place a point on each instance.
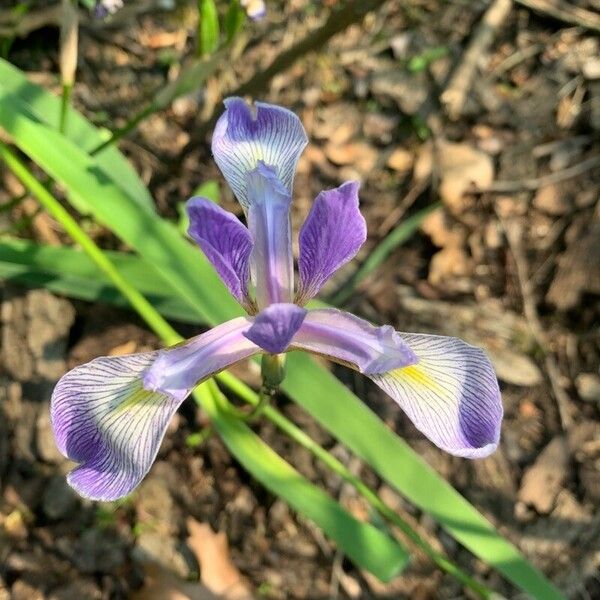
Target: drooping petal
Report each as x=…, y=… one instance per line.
x=332, y=234
x=446, y=387
x=272, y=263
x=105, y=420
x=275, y=326
x=225, y=241
x=352, y=341
x=178, y=369
x=111, y=414
x=451, y=394
x=273, y=134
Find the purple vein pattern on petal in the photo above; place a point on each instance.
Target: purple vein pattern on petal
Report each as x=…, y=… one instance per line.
x=272, y=262
x=104, y=419
x=225, y=241
x=451, y=394
x=178, y=369
x=274, y=327
x=352, y=341
x=273, y=134
x=332, y=234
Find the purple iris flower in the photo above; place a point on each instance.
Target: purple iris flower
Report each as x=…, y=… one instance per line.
x=104, y=8
x=111, y=414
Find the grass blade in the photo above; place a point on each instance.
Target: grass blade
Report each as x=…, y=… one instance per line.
x=47, y=107
x=364, y=544
x=395, y=238
x=70, y=272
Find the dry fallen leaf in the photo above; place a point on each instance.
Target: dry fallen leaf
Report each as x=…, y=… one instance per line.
x=220, y=578
x=400, y=160
x=360, y=155
x=461, y=166
x=129, y=347
x=217, y=571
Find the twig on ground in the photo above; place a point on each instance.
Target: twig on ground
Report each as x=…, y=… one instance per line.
x=514, y=236
x=417, y=188
x=564, y=12
x=532, y=184
x=455, y=95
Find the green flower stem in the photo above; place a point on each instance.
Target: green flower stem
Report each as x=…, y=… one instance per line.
x=67, y=89
x=301, y=438
x=70, y=225
x=209, y=388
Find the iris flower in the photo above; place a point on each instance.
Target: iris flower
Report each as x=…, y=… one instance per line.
x=110, y=414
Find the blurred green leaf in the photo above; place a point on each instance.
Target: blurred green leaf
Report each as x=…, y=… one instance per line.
x=208, y=27
x=422, y=61
x=70, y=272
x=234, y=19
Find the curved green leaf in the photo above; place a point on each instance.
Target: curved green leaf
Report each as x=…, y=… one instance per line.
x=46, y=107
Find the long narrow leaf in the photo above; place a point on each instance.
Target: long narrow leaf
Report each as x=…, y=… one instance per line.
x=365, y=545
x=46, y=107
x=391, y=457
x=208, y=27
x=158, y=241
x=70, y=272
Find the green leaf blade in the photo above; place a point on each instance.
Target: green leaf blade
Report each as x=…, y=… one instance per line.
x=364, y=544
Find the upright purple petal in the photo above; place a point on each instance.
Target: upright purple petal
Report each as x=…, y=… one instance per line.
x=225, y=241
x=104, y=419
x=110, y=415
x=178, y=369
x=332, y=234
x=274, y=327
x=352, y=341
x=245, y=135
x=272, y=263
x=446, y=387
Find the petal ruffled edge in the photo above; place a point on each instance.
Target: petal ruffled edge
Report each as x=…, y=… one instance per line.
x=451, y=395
x=273, y=134
x=104, y=419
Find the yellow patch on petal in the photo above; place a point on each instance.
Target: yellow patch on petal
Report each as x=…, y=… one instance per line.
x=416, y=375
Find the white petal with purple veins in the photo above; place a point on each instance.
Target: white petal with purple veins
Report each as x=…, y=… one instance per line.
x=104, y=419
x=245, y=135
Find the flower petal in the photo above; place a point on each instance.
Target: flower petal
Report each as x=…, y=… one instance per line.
x=274, y=135
x=446, y=387
x=104, y=419
x=451, y=394
x=274, y=327
x=332, y=234
x=272, y=263
x=225, y=241
x=254, y=8
x=352, y=341
x=179, y=369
